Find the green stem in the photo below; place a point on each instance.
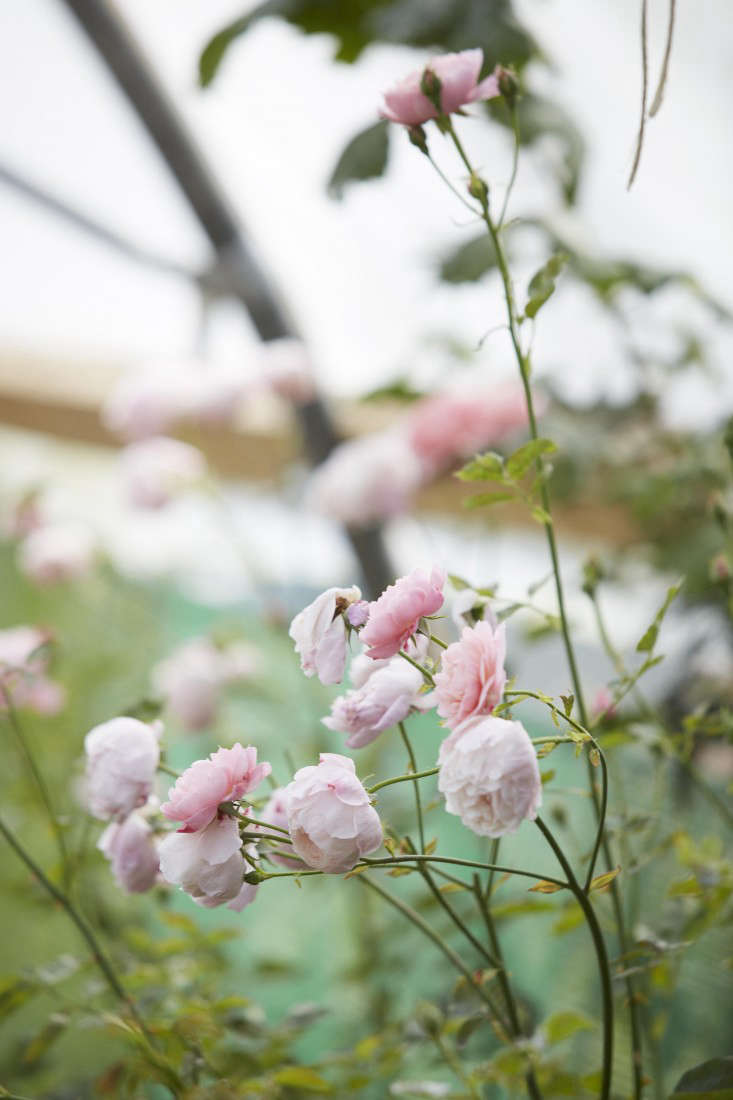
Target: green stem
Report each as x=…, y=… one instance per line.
x=41, y=784
x=168, y=771
x=416, y=786
x=455, y=1065
x=515, y=166
x=419, y=668
x=410, y=777
x=601, y=954
x=393, y=860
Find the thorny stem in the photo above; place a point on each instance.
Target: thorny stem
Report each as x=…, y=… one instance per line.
x=415, y=785
x=601, y=954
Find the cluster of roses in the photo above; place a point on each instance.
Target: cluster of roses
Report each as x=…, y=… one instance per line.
x=324, y=819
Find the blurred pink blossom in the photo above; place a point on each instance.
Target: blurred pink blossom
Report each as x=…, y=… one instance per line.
x=56, y=553
x=386, y=698
x=451, y=426
x=603, y=705
x=332, y=823
x=23, y=665
x=130, y=847
x=471, y=678
x=366, y=480
x=288, y=371
x=192, y=677
x=122, y=758
x=155, y=470
x=319, y=633
x=227, y=775
x=208, y=864
x=458, y=74
x=395, y=616
x=489, y=776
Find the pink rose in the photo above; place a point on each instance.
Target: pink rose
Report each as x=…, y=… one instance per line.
x=603, y=705
x=332, y=823
x=23, y=663
x=56, y=553
x=489, y=776
x=319, y=633
x=451, y=426
x=458, y=74
x=226, y=776
x=208, y=864
x=122, y=758
x=472, y=677
x=130, y=848
x=366, y=480
x=386, y=698
x=155, y=470
x=395, y=616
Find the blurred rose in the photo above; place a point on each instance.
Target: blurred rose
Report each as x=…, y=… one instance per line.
x=458, y=74
x=331, y=820
x=191, y=678
x=386, y=698
x=366, y=480
x=489, y=776
x=155, y=470
x=287, y=370
x=56, y=553
x=319, y=633
x=226, y=776
x=122, y=758
x=23, y=665
x=130, y=848
x=471, y=677
x=395, y=616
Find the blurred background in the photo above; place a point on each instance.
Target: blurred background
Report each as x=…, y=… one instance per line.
x=324, y=285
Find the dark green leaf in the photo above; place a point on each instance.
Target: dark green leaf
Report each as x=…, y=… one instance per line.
x=518, y=463
x=712, y=1079
x=649, y=639
x=364, y=158
x=561, y=1025
x=542, y=285
x=217, y=46
x=469, y=262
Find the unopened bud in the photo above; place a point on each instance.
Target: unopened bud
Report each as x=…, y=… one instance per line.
x=508, y=84
x=430, y=86
x=416, y=135
x=593, y=574
x=254, y=878
x=477, y=188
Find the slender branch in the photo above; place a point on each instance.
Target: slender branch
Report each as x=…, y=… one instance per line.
x=168, y=771
x=601, y=954
x=644, y=91
x=426, y=674
x=515, y=166
x=416, y=786
x=659, y=94
x=461, y=198
x=460, y=863
x=410, y=777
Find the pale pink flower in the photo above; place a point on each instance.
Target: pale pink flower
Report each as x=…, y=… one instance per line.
x=23, y=664
x=55, y=553
x=192, y=677
x=130, y=847
x=288, y=370
x=358, y=613
x=149, y=401
x=366, y=480
x=453, y=425
x=122, y=758
x=603, y=705
x=276, y=813
x=208, y=864
x=42, y=695
x=395, y=616
x=472, y=677
x=489, y=776
x=226, y=776
x=319, y=633
x=332, y=823
x=386, y=698
x=155, y=470
x=458, y=74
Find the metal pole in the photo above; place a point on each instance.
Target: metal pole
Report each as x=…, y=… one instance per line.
x=248, y=282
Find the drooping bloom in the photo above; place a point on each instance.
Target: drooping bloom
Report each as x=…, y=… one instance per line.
x=395, y=616
x=227, y=775
x=458, y=74
x=122, y=758
x=192, y=677
x=472, y=677
x=385, y=698
x=319, y=633
x=489, y=776
x=208, y=864
x=155, y=470
x=129, y=845
x=366, y=480
x=332, y=823
x=56, y=553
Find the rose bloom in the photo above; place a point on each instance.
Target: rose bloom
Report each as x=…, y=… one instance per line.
x=319, y=633
x=458, y=74
x=122, y=758
x=130, y=847
x=155, y=470
x=56, y=553
x=489, y=776
x=366, y=480
x=451, y=426
x=472, y=677
x=395, y=616
x=386, y=698
x=149, y=401
x=23, y=664
x=332, y=823
x=227, y=775
x=208, y=864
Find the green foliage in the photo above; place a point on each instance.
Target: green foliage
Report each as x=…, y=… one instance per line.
x=713, y=1080
x=470, y=262
x=542, y=285
x=365, y=157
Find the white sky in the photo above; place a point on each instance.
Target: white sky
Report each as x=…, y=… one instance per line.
x=357, y=274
